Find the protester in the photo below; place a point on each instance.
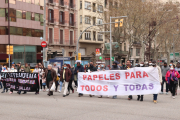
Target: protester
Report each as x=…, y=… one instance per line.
x=71, y=79
x=140, y=97
x=78, y=69
x=61, y=82
x=102, y=68
x=18, y=66
x=160, y=79
x=115, y=67
x=21, y=70
x=129, y=66
x=178, y=69
x=41, y=72
x=65, y=76
x=27, y=68
x=12, y=70
x=5, y=69
x=36, y=70
x=50, y=75
x=56, y=68
x=164, y=70
x=172, y=79
x=123, y=67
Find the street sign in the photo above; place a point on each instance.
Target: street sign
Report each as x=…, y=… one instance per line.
x=112, y=58
x=97, y=51
x=43, y=44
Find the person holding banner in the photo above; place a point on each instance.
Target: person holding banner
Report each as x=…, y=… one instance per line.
x=5, y=69
x=36, y=70
x=71, y=79
x=164, y=70
x=50, y=75
x=12, y=70
x=160, y=78
x=65, y=76
x=172, y=79
x=79, y=68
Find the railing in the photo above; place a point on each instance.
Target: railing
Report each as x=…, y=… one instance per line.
x=62, y=22
x=71, y=6
x=87, y=38
x=100, y=39
x=61, y=42
x=52, y=20
x=72, y=23
x=116, y=51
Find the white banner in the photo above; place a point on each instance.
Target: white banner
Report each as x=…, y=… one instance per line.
x=135, y=81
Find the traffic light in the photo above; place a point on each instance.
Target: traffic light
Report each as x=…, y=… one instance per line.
x=116, y=24
x=100, y=57
x=9, y=49
x=121, y=22
x=79, y=56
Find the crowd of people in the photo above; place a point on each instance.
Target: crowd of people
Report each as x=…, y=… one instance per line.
x=66, y=75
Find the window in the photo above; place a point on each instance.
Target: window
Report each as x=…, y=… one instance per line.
x=50, y=35
x=37, y=17
x=87, y=5
x=2, y=12
x=131, y=52
x=80, y=4
x=61, y=2
x=32, y=16
x=71, y=4
x=19, y=14
x=36, y=33
x=87, y=20
x=70, y=53
x=51, y=16
x=94, y=7
x=71, y=19
x=80, y=34
x=99, y=21
x=12, y=30
x=100, y=8
x=94, y=35
x=12, y=1
x=41, y=19
x=81, y=19
x=116, y=5
x=12, y=14
x=71, y=38
x=32, y=1
x=94, y=20
x=100, y=37
x=137, y=51
x=82, y=51
x=23, y=14
x=124, y=46
x=28, y=15
x=61, y=19
x=105, y=3
x=28, y=1
x=26, y=32
x=19, y=31
x=61, y=37
x=88, y=35
x=3, y=30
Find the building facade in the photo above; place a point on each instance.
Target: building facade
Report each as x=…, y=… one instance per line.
x=61, y=29
x=90, y=12
x=26, y=28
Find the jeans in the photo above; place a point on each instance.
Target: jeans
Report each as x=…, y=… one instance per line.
x=155, y=96
x=167, y=85
x=61, y=84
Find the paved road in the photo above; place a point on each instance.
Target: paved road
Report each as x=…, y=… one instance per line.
x=43, y=107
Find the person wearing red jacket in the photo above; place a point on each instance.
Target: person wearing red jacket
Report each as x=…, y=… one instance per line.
x=172, y=79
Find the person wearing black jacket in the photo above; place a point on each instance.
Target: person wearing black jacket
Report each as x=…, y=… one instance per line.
x=140, y=97
x=72, y=78
x=115, y=67
x=91, y=68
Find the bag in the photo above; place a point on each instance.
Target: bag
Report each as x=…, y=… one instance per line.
x=53, y=87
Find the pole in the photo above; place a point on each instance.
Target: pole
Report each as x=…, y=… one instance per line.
x=44, y=32
x=173, y=48
x=110, y=45
x=9, y=34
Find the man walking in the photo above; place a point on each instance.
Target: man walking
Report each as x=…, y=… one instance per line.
x=164, y=70
x=65, y=76
x=50, y=76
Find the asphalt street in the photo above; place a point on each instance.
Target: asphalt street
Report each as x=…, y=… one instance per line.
x=72, y=107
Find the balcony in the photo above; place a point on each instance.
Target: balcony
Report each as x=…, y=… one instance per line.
x=100, y=39
x=55, y=42
x=137, y=44
x=87, y=38
x=62, y=23
x=72, y=24
x=62, y=4
x=71, y=6
x=117, y=52
x=51, y=21
x=51, y=2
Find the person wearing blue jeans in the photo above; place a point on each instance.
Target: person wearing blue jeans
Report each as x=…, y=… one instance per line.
x=61, y=84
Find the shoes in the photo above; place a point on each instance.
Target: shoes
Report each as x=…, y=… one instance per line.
x=166, y=93
x=161, y=93
x=80, y=95
x=47, y=90
x=10, y=92
x=173, y=97
x=49, y=94
x=141, y=98
x=36, y=93
x=59, y=91
x=3, y=91
x=64, y=95
x=114, y=97
x=6, y=90
x=100, y=96
x=18, y=93
x=72, y=91
x=155, y=101
x=138, y=98
x=67, y=94
x=24, y=93
x=44, y=90
x=90, y=95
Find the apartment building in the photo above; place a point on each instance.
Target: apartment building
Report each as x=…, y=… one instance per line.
x=61, y=29
x=90, y=12
x=26, y=28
